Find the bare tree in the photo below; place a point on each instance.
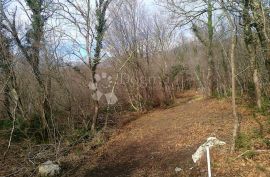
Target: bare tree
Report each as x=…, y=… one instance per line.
x=92, y=25
x=233, y=29
x=7, y=65
x=183, y=14
x=32, y=48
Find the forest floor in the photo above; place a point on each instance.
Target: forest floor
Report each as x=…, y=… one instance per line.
x=154, y=144
x=158, y=142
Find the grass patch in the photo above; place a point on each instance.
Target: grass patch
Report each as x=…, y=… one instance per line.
x=250, y=154
x=265, y=107
x=243, y=141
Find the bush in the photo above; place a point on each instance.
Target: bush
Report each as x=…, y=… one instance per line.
x=5, y=124
x=20, y=126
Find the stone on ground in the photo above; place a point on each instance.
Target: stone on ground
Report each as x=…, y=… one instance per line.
x=48, y=169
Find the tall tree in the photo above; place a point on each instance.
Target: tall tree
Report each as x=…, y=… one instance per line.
x=251, y=43
x=233, y=30
x=182, y=14
x=91, y=27
x=31, y=50
x=100, y=27
x=260, y=24
x=211, y=80
x=7, y=65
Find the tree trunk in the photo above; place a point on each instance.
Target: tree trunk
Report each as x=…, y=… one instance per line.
x=256, y=78
x=7, y=101
x=260, y=25
x=100, y=27
x=236, y=127
x=250, y=42
x=6, y=65
x=257, y=88
x=96, y=105
x=211, y=80
x=236, y=119
x=46, y=110
x=95, y=116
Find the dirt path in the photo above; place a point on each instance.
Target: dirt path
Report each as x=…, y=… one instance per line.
x=158, y=142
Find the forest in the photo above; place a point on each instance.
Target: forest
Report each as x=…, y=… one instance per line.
x=116, y=88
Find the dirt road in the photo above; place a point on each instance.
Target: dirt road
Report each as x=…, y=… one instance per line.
x=158, y=142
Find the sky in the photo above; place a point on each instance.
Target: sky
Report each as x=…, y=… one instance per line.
x=67, y=46
x=149, y=3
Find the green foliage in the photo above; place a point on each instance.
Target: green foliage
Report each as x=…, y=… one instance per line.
x=151, y=103
x=38, y=22
x=100, y=29
x=177, y=69
x=30, y=129
x=243, y=141
x=250, y=154
x=21, y=126
x=219, y=95
x=78, y=135
x=167, y=103
x=268, y=125
x=266, y=141
x=262, y=168
x=18, y=133
x=198, y=69
x=265, y=106
x=35, y=129
x=5, y=124
x=251, y=89
x=257, y=133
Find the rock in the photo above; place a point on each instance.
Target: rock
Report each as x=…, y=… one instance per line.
x=177, y=169
x=48, y=169
x=211, y=142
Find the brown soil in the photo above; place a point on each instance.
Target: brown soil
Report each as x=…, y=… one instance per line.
x=154, y=144
x=158, y=142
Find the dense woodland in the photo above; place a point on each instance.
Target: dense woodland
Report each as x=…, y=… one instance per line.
x=71, y=68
